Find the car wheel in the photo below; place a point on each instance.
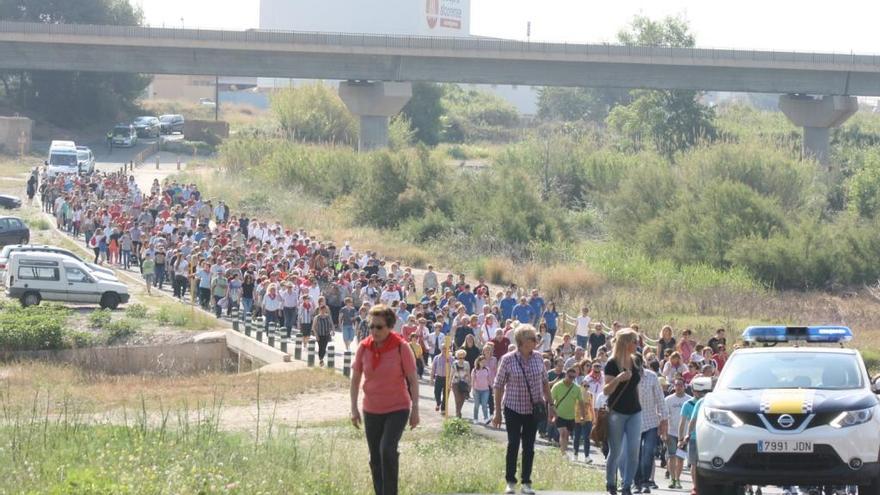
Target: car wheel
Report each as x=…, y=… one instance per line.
x=109, y=301
x=24, y=240
x=30, y=299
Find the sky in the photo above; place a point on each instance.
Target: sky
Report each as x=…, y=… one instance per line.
x=844, y=26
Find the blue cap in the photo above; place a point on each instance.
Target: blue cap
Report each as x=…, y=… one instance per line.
x=819, y=334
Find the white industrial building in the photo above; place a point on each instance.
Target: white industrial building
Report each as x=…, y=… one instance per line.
x=395, y=17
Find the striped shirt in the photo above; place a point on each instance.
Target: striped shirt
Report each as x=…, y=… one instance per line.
x=322, y=326
x=513, y=381
x=653, y=403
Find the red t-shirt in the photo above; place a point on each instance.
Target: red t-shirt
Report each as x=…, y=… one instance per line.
x=385, y=388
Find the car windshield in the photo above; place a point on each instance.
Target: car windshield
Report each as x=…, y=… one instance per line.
x=62, y=159
x=814, y=370
x=142, y=120
x=167, y=118
x=121, y=131
x=82, y=155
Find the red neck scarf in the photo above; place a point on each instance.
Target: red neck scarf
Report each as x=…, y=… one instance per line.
x=393, y=341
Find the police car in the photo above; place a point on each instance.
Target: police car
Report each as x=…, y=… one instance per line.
x=790, y=415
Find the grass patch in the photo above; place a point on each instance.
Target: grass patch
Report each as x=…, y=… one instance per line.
x=137, y=311
x=34, y=328
x=25, y=383
x=187, y=456
x=99, y=318
x=569, y=281
x=181, y=316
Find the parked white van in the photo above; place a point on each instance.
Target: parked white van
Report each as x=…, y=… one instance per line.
x=32, y=277
x=63, y=158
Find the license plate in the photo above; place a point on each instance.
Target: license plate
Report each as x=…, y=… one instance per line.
x=784, y=447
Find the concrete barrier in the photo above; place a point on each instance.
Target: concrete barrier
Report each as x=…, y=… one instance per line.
x=298, y=346
x=259, y=352
x=331, y=355
x=311, y=356
x=346, y=363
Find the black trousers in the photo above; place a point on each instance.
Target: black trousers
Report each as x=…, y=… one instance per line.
x=440, y=392
x=383, y=434
x=520, y=428
x=323, y=340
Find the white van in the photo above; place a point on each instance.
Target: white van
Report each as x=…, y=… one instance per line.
x=63, y=158
x=32, y=277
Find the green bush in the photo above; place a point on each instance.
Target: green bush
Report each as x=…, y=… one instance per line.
x=314, y=113
x=138, y=311
x=100, y=318
x=189, y=147
x=33, y=328
x=120, y=329
x=455, y=429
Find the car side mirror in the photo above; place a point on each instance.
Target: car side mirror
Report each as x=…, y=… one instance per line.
x=875, y=385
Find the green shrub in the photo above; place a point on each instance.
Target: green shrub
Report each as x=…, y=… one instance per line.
x=455, y=429
x=138, y=311
x=100, y=318
x=33, y=328
x=120, y=329
x=186, y=147
x=80, y=339
x=314, y=113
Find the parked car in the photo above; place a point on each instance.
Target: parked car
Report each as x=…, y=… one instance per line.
x=9, y=201
x=171, y=124
x=85, y=159
x=13, y=230
x=207, y=102
x=124, y=135
x=147, y=126
x=6, y=252
x=35, y=277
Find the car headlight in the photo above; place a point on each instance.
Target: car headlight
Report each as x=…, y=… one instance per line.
x=721, y=417
x=852, y=418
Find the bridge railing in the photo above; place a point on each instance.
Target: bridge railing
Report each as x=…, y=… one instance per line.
x=858, y=62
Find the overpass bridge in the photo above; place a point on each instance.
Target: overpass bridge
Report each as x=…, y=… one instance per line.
x=379, y=68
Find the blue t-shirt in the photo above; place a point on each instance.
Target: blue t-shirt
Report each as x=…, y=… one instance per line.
x=550, y=319
x=537, y=304
x=507, y=305
x=469, y=300
x=523, y=313
x=204, y=279
x=689, y=411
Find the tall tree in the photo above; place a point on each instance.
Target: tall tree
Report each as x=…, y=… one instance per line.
x=72, y=97
x=671, y=120
x=424, y=110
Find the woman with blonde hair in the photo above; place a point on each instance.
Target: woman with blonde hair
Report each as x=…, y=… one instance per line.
x=622, y=376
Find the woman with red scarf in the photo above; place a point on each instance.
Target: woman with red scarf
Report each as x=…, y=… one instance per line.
x=391, y=395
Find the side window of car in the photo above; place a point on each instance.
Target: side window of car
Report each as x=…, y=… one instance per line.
x=15, y=224
x=76, y=275
x=4, y=224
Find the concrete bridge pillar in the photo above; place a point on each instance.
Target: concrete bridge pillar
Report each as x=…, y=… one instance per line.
x=374, y=103
x=817, y=115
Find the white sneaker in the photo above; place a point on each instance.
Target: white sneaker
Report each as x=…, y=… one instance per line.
x=527, y=489
x=511, y=489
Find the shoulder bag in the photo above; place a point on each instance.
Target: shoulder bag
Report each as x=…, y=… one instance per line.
x=599, y=434
x=539, y=409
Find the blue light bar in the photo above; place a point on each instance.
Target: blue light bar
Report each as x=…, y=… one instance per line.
x=820, y=334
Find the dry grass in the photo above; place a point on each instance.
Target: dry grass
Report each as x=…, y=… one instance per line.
x=496, y=270
x=21, y=383
x=237, y=115
x=569, y=281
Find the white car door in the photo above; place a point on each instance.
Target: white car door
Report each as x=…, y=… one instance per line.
x=81, y=287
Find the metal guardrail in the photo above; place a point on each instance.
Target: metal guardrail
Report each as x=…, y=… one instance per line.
x=711, y=55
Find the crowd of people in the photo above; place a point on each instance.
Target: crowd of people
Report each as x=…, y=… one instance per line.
x=499, y=348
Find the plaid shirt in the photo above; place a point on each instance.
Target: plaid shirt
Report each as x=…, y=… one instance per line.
x=653, y=403
x=511, y=379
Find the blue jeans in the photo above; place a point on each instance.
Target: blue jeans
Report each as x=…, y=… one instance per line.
x=481, y=400
x=247, y=305
x=624, y=437
x=581, y=341
x=646, y=456
x=347, y=333
x=582, y=431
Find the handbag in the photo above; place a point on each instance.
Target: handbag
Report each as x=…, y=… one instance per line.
x=599, y=434
x=539, y=409
x=462, y=385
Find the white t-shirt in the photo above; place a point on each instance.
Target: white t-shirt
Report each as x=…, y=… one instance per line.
x=674, y=404
x=583, y=326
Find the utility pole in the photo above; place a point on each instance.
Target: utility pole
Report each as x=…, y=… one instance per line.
x=216, y=98
x=529, y=31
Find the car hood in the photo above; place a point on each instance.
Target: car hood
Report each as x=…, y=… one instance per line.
x=791, y=401
x=7, y=197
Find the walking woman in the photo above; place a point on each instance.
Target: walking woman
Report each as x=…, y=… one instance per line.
x=522, y=392
x=622, y=378
x=481, y=379
x=461, y=380
x=391, y=395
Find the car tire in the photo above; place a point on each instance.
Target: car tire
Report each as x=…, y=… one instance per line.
x=110, y=300
x=24, y=240
x=30, y=299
